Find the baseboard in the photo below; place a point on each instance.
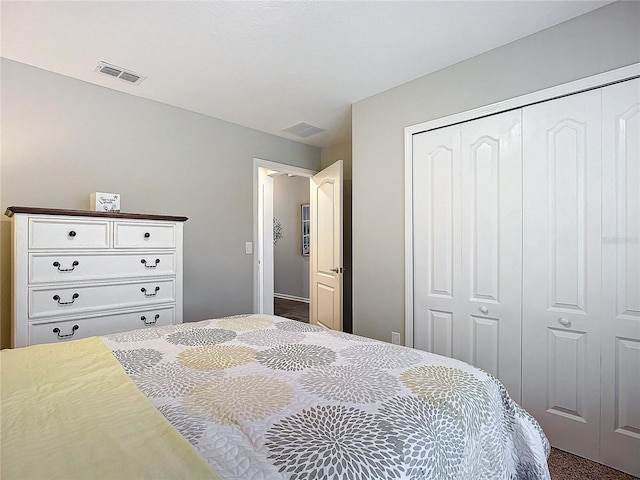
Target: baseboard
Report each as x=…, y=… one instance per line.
x=291, y=297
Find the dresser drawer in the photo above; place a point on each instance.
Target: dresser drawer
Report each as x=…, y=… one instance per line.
x=103, y=325
x=70, y=267
x=144, y=235
x=61, y=300
x=68, y=234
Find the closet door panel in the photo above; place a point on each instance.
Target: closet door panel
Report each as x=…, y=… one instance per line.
x=439, y=333
x=621, y=277
x=436, y=227
x=488, y=334
x=566, y=372
x=566, y=165
x=562, y=306
x=486, y=348
x=483, y=204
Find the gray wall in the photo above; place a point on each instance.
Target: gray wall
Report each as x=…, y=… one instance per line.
x=599, y=41
x=63, y=139
x=290, y=268
x=339, y=151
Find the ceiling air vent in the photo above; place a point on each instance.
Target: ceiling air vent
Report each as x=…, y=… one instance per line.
x=303, y=130
x=120, y=73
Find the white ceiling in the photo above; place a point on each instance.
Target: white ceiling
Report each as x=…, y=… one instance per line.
x=268, y=65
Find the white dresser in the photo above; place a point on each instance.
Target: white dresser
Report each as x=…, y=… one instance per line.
x=82, y=273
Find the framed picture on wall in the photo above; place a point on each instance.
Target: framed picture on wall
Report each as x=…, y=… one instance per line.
x=305, y=227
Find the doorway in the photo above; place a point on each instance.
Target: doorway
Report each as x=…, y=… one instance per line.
x=326, y=258
x=291, y=246
x=263, y=267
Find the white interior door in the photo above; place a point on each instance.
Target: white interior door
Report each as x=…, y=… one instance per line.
x=436, y=238
x=580, y=253
x=488, y=330
x=467, y=226
x=326, y=247
x=562, y=308
x=620, y=423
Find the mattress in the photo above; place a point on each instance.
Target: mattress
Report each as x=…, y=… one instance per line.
x=263, y=397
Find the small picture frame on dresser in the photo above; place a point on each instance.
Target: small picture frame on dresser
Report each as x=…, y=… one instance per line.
x=104, y=202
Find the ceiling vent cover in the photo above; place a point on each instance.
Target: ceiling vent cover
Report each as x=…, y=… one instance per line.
x=118, y=72
x=303, y=130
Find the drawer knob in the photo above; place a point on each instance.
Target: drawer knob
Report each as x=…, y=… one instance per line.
x=147, y=234
x=73, y=330
x=150, y=322
x=73, y=299
x=144, y=290
x=73, y=266
x=72, y=233
x=144, y=262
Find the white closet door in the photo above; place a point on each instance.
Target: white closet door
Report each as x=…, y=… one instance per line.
x=487, y=332
x=562, y=308
x=436, y=227
x=621, y=277
x=467, y=244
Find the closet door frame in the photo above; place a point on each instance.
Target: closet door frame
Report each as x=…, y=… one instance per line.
x=588, y=83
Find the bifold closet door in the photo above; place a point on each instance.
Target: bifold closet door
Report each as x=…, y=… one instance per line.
x=562, y=277
x=620, y=425
x=436, y=238
x=468, y=243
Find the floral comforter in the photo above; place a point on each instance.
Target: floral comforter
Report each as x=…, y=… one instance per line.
x=263, y=397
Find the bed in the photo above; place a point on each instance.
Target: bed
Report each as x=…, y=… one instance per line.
x=260, y=397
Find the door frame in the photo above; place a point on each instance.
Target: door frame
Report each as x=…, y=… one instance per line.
x=577, y=86
x=260, y=273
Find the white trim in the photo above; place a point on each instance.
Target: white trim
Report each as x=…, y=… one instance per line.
x=408, y=239
x=283, y=168
x=587, y=83
x=259, y=163
x=284, y=296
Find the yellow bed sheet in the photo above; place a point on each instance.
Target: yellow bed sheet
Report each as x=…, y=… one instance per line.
x=69, y=411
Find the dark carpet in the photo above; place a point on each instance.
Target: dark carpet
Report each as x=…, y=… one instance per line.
x=565, y=466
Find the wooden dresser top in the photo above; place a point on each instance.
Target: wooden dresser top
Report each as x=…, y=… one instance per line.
x=89, y=213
